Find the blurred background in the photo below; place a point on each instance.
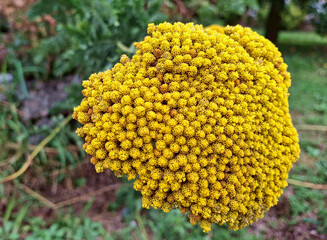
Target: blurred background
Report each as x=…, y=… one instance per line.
x=49, y=190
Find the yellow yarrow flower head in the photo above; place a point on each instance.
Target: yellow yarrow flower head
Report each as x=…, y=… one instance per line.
x=199, y=118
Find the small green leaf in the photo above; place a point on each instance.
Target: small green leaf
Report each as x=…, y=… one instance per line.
x=20, y=78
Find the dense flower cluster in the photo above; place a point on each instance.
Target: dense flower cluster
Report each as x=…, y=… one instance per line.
x=199, y=118
x=215, y=27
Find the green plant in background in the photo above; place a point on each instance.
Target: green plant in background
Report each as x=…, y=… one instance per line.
x=18, y=133
x=74, y=96
x=15, y=138
x=12, y=129
x=11, y=224
x=232, y=11
x=63, y=139
x=307, y=101
x=92, y=33
x=70, y=227
x=19, y=224
x=304, y=200
x=207, y=12
x=128, y=199
x=319, y=10
x=18, y=61
x=292, y=15
x=307, y=97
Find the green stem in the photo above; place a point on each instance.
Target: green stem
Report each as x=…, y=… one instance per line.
x=141, y=225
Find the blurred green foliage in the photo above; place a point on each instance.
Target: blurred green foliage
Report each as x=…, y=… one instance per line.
x=16, y=134
x=65, y=227
x=319, y=11
x=305, y=62
x=208, y=12
x=92, y=34
x=232, y=11
x=292, y=16
x=68, y=227
x=305, y=53
x=17, y=225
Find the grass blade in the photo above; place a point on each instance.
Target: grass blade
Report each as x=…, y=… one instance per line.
x=10, y=206
x=20, y=78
